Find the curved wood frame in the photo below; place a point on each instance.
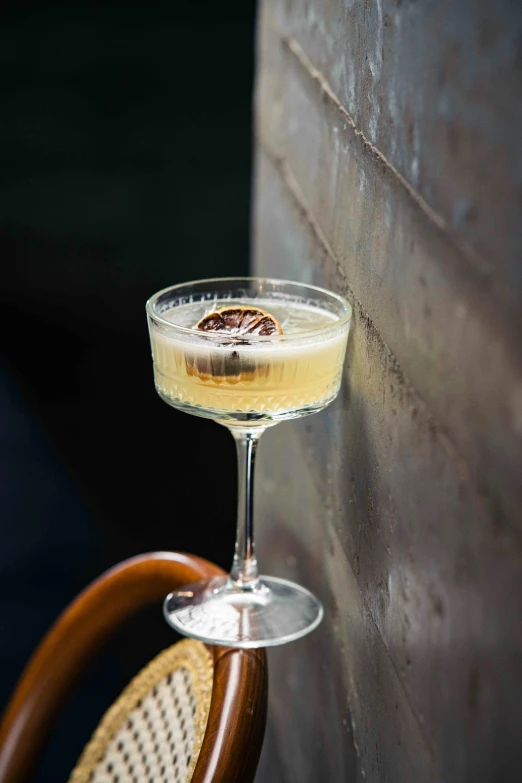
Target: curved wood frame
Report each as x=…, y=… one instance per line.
x=236, y=724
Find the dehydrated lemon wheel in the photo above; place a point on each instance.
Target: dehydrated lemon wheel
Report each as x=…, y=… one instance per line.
x=239, y=321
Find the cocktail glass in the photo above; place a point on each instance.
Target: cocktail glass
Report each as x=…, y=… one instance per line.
x=247, y=383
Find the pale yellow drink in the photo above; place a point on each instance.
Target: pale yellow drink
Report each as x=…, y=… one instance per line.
x=275, y=377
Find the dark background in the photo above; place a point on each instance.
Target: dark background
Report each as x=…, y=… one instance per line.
x=125, y=151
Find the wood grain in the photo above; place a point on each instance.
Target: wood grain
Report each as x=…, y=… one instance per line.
x=236, y=725
x=234, y=735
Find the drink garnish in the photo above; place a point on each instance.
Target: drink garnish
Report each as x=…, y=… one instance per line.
x=237, y=324
x=240, y=321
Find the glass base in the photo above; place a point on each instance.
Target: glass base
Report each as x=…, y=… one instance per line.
x=217, y=612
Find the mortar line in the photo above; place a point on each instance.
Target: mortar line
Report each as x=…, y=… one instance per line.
x=290, y=181
x=452, y=449
x=480, y=263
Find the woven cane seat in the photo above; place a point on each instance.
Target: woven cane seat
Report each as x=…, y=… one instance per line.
x=153, y=732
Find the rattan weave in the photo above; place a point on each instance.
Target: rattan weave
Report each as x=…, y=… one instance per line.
x=153, y=732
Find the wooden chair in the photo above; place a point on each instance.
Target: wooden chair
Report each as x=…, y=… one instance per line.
x=235, y=680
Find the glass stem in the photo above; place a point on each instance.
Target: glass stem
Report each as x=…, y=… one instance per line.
x=244, y=573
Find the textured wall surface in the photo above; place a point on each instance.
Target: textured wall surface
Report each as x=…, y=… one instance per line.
x=389, y=168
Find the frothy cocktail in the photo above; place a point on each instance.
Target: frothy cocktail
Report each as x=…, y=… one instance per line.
x=249, y=376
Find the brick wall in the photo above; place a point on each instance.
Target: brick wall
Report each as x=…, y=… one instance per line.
x=389, y=168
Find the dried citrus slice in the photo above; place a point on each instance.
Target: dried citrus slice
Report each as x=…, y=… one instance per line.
x=239, y=323
x=240, y=320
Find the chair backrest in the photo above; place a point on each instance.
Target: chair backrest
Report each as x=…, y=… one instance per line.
x=155, y=729
x=235, y=728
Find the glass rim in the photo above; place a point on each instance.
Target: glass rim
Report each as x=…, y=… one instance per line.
x=343, y=319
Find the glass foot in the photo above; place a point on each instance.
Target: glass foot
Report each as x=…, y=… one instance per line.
x=216, y=612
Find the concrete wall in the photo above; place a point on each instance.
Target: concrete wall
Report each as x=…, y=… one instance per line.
x=389, y=168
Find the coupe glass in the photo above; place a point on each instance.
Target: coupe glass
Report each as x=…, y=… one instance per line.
x=247, y=382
